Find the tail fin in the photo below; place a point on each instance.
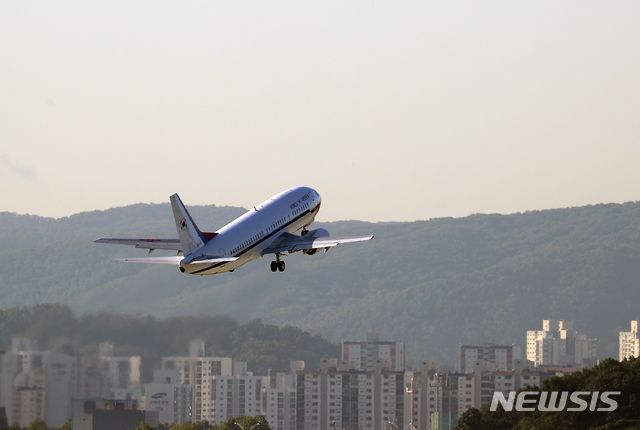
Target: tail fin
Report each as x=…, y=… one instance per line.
x=191, y=238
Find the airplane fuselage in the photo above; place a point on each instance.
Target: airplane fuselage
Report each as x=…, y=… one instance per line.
x=267, y=229
x=251, y=233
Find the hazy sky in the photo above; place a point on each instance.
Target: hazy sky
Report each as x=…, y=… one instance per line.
x=391, y=110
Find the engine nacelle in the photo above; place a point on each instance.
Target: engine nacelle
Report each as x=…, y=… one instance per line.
x=319, y=232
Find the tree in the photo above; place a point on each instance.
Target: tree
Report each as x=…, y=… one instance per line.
x=609, y=375
x=37, y=425
x=246, y=423
x=66, y=425
x=471, y=420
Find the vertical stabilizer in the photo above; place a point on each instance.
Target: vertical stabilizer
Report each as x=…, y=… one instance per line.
x=191, y=238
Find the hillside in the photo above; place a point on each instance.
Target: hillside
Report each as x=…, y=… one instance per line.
x=433, y=284
x=262, y=346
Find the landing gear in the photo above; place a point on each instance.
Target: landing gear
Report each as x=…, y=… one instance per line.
x=277, y=265
x=304, y=231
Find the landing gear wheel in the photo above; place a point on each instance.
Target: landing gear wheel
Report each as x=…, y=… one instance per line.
x=274, y=266
x=304, y=231
x=281, y=266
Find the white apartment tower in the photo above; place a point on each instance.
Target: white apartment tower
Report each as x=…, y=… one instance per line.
x=362, y=355
x=223, y=389
x=629, y=342
x=337, y=397
x=121, y=374
x=436, y=400
x=39, y=384
x=502, y=355
x=273, y=396
x=199, y=372
x=279, y=397
x=24, y=386
x=558, y=344
x=166, y=395
x=235, y=395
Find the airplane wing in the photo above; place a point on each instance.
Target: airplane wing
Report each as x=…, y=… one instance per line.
x=290, y=242
x=173, y=244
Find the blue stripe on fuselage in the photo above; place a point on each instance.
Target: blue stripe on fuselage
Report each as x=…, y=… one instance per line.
x=308, y=211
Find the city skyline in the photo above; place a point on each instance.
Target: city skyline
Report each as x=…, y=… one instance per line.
x=40, y=384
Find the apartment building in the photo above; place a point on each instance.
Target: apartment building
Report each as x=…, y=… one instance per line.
x=337, y=396
x=199, y=372
x=37, y=384
x=223, y=389
x=166, y=395
x=361, y=355
x=436, y=400
x=119, y=375
x=558, y=344
x=279, y=397
x=629, y=342
x=502, y=355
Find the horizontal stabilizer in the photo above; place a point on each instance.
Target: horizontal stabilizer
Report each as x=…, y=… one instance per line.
x=208, y=259
x=172, y=244
x=152, y=260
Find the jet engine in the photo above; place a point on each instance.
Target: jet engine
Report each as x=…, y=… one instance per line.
x=320, y=232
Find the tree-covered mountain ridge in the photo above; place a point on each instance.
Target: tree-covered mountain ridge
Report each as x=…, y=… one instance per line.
x=433, y=284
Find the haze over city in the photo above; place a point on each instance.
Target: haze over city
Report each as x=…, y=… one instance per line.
x=393, y=111
x=475, y=116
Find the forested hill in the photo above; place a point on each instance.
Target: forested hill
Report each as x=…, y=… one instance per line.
x=262, y=346
x=433, y=284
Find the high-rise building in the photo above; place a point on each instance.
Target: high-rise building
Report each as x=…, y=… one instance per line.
x=502, y=355
x=64, y=381
x=199, y=372
x=436, y=400
x=279, y=397
x=223, y=389
x=273, y=396
x=629, y=342
x=23, y=383
x=361, y=355
x=558, y=344
x=120, y=376
x=338, y=397
x=166, y=395
x=234, y=395
x=39, y=384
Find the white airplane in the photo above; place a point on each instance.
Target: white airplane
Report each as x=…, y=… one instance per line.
x=265, y=229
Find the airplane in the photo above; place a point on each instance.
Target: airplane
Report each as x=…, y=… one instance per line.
x=266, y=229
